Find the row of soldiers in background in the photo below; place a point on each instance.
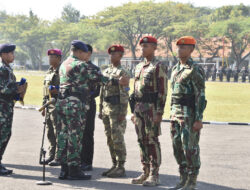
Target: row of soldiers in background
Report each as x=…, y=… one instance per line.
x=228, y=72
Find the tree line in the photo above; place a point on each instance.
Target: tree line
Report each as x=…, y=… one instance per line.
x=214, y=29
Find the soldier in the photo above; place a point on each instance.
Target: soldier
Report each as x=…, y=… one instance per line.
x=244, y=73
x=207, y=72
x=51, y=88
x=9, y=89
x=229, y=73
x=71, y=111
x=150, y=91
x=88, y=135
x=113, y=111
x=220, y=73
x=214, y=71
x=236, y=74
x=187, y=106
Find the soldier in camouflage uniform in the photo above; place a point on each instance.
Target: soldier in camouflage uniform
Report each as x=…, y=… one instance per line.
x=71, y=110
x=187, y=106
x=113, y=111
x=50, y=90
x=150, y=92
x=8, y=91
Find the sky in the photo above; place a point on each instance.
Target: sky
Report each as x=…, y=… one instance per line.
x=51, y=9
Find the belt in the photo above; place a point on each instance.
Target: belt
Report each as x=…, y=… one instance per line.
x=147, y=98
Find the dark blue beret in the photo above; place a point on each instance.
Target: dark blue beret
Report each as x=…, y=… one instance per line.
x=6, y=48
x=79, y=45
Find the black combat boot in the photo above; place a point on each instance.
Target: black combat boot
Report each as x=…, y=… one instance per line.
x=4, y=171
x=64, y=172
x=76, y=173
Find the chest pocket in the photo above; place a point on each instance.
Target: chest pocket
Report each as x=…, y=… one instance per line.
x=148, y=76
x=183, y=83
x=48, y=79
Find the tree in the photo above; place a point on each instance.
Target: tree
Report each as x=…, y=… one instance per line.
x=236, y=33
x=70, y=14
x=131, y=21
x=29, y=33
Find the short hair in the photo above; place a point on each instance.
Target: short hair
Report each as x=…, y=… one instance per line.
x=90, y=48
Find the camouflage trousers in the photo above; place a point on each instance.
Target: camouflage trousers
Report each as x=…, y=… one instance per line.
x=51, y=131
x=186, y=146
x=6, y=118
x=147, y=134
x=70, y=125
x=115, y=130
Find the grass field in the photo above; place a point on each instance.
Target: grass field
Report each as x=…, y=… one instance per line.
x=226, y=101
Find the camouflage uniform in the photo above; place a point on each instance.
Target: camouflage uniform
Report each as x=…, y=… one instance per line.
x=113, y=103
x=187, y=106
x=8, y=90
x=150, y=90
x=71, y=109
x=51, y=78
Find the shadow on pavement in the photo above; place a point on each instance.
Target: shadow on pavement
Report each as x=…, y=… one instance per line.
x=98, y=181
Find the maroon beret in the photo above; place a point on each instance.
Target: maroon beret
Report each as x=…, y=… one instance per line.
x=148, y=39
x=54, y=52
x=115, y=48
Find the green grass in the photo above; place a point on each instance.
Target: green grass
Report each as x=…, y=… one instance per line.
x=226, y=101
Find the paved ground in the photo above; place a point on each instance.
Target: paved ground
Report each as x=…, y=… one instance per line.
x=225, y=156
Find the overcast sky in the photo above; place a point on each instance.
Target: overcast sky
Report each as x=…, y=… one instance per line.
x=51, y=9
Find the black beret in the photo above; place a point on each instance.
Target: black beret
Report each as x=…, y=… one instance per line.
x=6, y=48
x=79, y=45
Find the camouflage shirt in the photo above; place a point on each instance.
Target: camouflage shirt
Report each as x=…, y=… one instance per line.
x=94, y=89
x=151, y=77
x=51, y=78
x=114, y=89
x=75, y=76
x=8, y=87
x=188, y=80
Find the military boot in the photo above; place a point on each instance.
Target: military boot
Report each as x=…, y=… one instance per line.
x=182, y=182
x=152, y=180
x=191, y=183
x=64, y=172
x=111, y=169
x=4, y=171
x=75, y=173
x=117, y=172
x=140, y=179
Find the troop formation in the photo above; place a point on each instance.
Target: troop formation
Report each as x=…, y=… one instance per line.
x=70, y=88
x=227, y=73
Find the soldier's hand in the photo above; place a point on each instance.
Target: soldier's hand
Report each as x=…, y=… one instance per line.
x=100, y=116
x=121, y=117
x=133, y=119
x=53, y=91
x=22, y=88
x=124, y=80
x=197, y=126
x=43, y=113
x=158, y=118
